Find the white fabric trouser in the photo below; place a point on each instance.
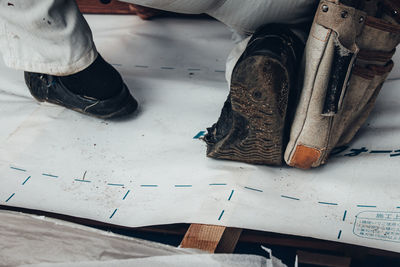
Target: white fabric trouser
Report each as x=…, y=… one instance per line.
x=51, y=36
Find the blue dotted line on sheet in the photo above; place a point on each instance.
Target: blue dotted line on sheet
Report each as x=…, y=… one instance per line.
x=123, y=198
x=231, y=195
x=10, y=197
x=26, y=180
x=327, y=203
x=339, y=234
x=167, y=68
x=220, y=216
x=366, y=206
x=229, y=199
x=18, y=169
x=126, y=194
x=253, y=189
x=49, y=175
x=82, y=181
x=112, y=215
x=343, y=219
x=112, y=184
x=288, y=197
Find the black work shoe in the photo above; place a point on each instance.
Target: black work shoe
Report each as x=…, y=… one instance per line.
x=255, y=121
x=50, y=89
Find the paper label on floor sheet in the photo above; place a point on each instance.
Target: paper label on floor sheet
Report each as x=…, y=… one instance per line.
x=151, y=168
x=379, y=225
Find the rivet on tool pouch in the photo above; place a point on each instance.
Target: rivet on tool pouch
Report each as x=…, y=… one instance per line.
x=346, y=60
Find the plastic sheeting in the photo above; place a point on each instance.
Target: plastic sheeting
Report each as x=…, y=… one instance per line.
x=219, y=260
x=50, y=242
x=151, y=168
x=27, y=239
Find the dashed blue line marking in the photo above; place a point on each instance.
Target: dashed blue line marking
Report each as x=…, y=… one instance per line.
x=217, y=184
x=83, y=181
x=183, y=185
x=167, y=68
x=149, y=185
x=366, y=206
x=10, y=197
x=193, y=69
x=395, y=155
x=230, y=196
x=111, y=184
x=220, y=71
x=327, y=203
x=292, y=198
x=340, y=234
x=253, y=189
x=114, y=64
x=220, y=216
x=200, y=134
x=26, y=180
x=126, y=194
x=18, y=169
x=344, y=215
x=112, y=215
x=141, y=66
x=50, y=175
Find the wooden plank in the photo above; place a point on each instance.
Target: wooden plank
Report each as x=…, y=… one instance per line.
x=105, y=7
x=203, y=237
x=211, y=238
x=306, y=257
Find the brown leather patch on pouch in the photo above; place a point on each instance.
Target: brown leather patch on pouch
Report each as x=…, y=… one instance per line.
x=304, y=157
x=363, y=72
x=381, y=70
x=372, y=55
x=371, y=71
x=382, y=25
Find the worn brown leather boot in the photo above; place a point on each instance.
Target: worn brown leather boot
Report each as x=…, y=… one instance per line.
x=254, y=123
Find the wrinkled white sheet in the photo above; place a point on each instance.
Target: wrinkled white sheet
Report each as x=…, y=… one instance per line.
x=206, y=260
x=149, y=169
x=28, y=240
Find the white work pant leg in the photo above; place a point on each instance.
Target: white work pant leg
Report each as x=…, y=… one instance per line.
x=45, y=36
x=245, y=16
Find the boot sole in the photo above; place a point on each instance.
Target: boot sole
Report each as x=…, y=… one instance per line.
x=259, y=96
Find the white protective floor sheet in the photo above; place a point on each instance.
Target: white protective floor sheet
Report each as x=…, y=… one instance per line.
x=151, y=168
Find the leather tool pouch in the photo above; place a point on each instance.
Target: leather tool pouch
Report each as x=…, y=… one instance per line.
x=346, y=60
